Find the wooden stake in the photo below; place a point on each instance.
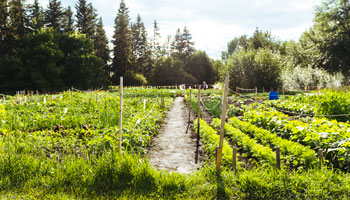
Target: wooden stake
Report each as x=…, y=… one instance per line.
x=3, y=98
x=199, y=117
x=121, y=116
x=263, y=90
x=256, y=91
x=236, y=91
x=234, y=159
x=189, y=107
x=216, y=155
x=223, y=120
x=96, y=97
x=278, y=157
x=320, y=156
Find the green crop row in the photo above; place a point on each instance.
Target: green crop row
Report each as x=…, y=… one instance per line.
x=330, y=136
x=210, y=140
x=295, y=154
x=329, y=103
x=73, y=110
x=292, y=106
x=248, y=146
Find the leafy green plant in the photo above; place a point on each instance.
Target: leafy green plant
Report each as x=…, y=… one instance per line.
x=330, y=136
x=210, y=140
x=248, y=146
x=295, y=154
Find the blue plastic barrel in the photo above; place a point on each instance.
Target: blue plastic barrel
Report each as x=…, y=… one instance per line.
x=273, y=96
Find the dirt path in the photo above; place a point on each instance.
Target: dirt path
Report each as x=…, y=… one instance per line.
x=174, y=149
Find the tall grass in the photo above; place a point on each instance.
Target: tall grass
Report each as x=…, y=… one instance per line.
x=114, y=176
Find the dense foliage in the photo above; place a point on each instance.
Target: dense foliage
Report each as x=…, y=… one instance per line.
x=52, y=49
x=319, y=59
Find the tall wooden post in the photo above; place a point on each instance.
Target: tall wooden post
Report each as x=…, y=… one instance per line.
x=320, y=156
x=278, y=157
x=199, y=117
x=189, y=107
x=256, y=91
x=121, y=116
x=223, y=120
x=234, y=159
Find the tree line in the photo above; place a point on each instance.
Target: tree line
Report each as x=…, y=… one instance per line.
x=56, y=48
x=321, y=57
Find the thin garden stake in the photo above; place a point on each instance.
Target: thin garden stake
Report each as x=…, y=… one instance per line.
x=189, y=107
x=199, y=117
x=223, y=119
x=121, y=116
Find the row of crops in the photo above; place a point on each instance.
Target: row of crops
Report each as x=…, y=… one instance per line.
x=257, y=127
x=65, y=146
x=79, y=123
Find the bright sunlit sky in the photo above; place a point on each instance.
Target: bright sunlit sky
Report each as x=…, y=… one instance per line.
x=212, y=23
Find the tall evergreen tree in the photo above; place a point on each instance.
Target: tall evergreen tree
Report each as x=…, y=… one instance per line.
x=175, y=45
x=3, y=25
x=188, y=45
x=182, y=46
x=86, y=18
x=54, y=14
x=155, y=42
x=141, y=50
x=36, y=17
x=101, y=46
x=68, y=22
x=17, y=19
x=122, y=43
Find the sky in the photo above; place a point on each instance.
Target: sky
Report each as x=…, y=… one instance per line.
x=212, y=23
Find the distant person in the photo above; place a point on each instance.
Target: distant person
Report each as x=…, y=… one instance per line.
x=205, y=86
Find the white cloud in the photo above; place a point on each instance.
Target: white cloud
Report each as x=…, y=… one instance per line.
x=213, y=23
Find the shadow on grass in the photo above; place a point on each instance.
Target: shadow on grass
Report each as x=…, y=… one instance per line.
x=220, y=183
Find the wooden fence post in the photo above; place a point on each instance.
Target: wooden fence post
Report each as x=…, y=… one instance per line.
x=121, y=116
x=199, y=116
x=320, y=156
x=223, y=120
x=278, y=157
x=3, y=98
x=234, y=159
x=256, y=91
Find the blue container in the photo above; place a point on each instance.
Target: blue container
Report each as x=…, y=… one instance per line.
x=273, y=96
